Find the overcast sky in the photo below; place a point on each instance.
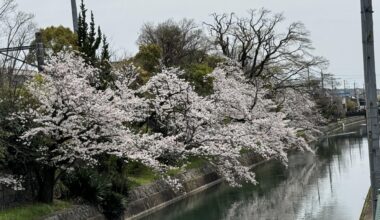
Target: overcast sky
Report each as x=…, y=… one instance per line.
x=335, y=25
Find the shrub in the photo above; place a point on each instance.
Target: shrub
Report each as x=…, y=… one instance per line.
x=97, y=189
x=112, y=205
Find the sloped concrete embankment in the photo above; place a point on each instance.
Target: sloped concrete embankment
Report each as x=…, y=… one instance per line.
x=147, y=199
x=337, y=126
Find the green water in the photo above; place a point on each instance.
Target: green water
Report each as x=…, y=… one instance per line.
x=329, y=185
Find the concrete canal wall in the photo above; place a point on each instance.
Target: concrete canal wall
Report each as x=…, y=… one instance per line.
x=339, y=125
x=80, y=212
x=147, y=199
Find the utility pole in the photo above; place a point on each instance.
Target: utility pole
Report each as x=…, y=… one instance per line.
x=344, y=87
x=75, y=15
x=344, y=98
x=40, y=51
x=322, y=79
x=356, y=97
x=308, y=77
x=371, y=98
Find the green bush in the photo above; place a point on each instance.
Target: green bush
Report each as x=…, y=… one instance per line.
x=112, y=205
x=120, y=184
x=197, y=75
x=87, y=184
x=97, y=189
x=148, y=57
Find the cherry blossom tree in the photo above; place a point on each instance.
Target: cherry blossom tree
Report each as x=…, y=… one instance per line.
x=71, y=123
x=302, y=112
x=11, y=181
x=219, y=127
x=252, y=124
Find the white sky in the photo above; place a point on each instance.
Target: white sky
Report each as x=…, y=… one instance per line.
x=335, y=25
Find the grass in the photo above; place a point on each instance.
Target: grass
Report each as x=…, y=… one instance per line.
x=174, y=171
x=135, y=181
x=245, y=151
x=139, y=175
x=195, y=163
x=301, y=134
x=33, y=211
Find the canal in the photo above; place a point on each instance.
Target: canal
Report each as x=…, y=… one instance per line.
x=329, y=185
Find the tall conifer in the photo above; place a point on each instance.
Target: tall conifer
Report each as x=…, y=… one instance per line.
x=89, y=41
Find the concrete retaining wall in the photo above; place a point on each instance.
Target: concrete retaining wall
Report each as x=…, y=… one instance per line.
x=334, y=127
x=144, y=200
x=147, y=199
x=83, y=212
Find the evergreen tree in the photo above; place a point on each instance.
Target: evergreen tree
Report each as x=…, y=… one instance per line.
x=105, y=55
x=82, y=28
x=106, y=77
x=88, y=38
x=94, y=40
x=89, y=44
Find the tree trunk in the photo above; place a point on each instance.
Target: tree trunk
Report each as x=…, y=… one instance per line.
x=46, y=185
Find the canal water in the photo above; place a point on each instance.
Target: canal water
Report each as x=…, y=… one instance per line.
x=330, y=184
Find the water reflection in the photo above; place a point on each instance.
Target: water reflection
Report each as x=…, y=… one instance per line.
x=330, y=184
